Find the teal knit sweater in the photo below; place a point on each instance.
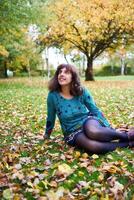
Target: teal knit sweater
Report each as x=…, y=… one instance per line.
x=71, y=112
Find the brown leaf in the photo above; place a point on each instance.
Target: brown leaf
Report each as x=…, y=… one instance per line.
x=111, y=168
x=3, y=180
x=53, y=184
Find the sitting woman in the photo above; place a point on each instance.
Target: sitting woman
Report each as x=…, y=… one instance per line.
x=83, y=124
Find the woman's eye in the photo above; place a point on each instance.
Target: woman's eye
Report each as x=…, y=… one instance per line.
x=67, y=72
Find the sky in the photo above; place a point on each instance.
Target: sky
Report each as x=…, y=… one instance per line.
x=55, y=58
x=53, y=54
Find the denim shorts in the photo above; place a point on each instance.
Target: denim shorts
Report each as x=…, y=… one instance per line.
x=70, y=139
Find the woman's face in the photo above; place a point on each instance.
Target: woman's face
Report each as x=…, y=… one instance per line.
x=64, y=77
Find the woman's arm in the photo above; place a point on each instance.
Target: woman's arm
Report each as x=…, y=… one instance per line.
x=51, y=115
x=93, y=109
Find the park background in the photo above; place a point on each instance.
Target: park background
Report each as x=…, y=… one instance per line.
x=35, y=36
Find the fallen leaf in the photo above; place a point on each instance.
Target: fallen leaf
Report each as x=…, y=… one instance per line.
x=77, y=154
x=3, y=180
x=65, y=169
x=94, y=156
x=51, y=195
x=7, y=194
x=85, y=155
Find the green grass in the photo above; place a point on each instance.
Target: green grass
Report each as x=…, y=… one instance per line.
x=115, y=78
x=31, y=168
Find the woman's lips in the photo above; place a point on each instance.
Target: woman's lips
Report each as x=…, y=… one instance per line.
x=62, y=79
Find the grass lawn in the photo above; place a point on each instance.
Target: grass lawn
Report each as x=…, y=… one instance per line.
x=31, y=168
x=116, y=78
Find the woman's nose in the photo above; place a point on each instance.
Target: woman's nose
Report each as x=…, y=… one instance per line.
x=62, y=73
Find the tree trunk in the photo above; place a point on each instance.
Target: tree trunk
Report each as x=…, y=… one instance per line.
x=89, y=71
x=66, y=58
x=122, y=66
x=48, y=68
x=125, y=68
x=47, y=62
x=29, y=71
x=5, y=69
x=83, y=64
x=112, y=68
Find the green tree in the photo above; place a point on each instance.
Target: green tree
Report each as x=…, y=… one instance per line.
x=24, y=57
x=15, y=17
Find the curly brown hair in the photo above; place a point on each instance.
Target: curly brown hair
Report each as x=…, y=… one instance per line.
x=76, y=88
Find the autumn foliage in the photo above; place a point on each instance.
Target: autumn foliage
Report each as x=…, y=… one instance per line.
x=89, y=26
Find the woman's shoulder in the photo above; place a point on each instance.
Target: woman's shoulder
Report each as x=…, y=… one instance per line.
x=51, y=94
x=86, y=92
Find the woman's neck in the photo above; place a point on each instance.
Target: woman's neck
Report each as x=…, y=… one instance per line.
x=65, y=91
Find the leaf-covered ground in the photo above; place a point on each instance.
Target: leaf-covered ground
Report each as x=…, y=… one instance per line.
x=33, y=169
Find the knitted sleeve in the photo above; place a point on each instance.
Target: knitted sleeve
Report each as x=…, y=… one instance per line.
x=93, y=109
x=51, y=114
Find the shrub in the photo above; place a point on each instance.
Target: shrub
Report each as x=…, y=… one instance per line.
x=107, y=71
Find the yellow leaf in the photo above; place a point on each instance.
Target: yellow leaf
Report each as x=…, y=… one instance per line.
x=85, y=155
x=77, y=154
x=30, y=184
x=65, y=169
x=94, y=156
x=100, y=177
x=16, y=197
x=111, y=168
x=45, y=184
x=106, y=198
x=80, y=173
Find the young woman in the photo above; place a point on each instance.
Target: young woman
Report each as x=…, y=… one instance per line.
x=82, y=122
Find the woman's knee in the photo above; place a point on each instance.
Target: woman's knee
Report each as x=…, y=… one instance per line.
x=91, y=129
x=91, y=125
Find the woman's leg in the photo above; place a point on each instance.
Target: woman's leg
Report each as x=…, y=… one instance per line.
x=97, y=147
x=95, y=131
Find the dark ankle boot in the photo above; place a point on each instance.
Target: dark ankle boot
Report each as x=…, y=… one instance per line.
x=131, y=144
x=131, y=134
